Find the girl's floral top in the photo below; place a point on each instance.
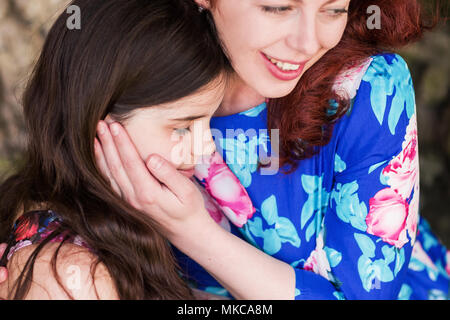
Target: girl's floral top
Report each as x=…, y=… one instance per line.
x=347, y=220
x=33, y=228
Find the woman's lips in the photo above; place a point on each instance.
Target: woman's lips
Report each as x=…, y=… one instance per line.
x=285, y=75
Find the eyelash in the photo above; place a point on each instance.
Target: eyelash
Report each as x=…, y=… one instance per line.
x=339, y=12
x=182, y=131
x=276, y=10
x=281, y=10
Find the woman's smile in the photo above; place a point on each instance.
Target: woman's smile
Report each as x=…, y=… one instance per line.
x=283, y=70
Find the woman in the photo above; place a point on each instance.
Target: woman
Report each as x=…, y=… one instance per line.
x=151, y=66
x=343, y=222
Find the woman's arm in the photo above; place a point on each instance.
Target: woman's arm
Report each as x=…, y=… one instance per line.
x=236, y=264
x=176, y=203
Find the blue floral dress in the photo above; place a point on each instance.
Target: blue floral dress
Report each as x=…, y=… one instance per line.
x=347, y=220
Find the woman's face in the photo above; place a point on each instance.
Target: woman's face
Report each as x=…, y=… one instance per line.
x=178, y=131
x=271, y=43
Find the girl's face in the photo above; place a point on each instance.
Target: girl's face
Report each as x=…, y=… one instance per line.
x=178, y=131
x=271, y=43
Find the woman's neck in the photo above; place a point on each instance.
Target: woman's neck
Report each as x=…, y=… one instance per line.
x=238, y=97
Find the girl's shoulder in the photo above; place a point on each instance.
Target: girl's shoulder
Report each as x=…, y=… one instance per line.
x=32, y=228
x=73, y=276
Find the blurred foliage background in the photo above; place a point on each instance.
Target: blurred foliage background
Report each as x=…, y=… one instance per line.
x=24, y=24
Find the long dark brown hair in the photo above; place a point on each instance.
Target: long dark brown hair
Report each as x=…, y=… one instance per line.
x=128, y=54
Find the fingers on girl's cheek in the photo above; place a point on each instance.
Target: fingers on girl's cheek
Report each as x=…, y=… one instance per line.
x=97, y=148
x=101, y=129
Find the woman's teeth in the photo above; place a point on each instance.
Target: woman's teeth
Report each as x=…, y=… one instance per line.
x=284, y=65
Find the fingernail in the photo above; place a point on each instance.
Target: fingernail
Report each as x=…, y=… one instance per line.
x=155, y=163
x=114, y=129
x=101, y=128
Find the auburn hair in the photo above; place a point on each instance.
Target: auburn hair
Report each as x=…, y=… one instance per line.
x=306, y=125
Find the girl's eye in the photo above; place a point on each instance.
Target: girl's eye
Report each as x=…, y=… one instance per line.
x=337, y=12
x=277, y=10
x=182, y=131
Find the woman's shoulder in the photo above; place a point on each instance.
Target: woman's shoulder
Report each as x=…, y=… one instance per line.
x=380, y=90
x=381, y=112
x=385, y=66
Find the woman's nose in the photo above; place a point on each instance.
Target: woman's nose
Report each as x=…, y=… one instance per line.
x=303, y=37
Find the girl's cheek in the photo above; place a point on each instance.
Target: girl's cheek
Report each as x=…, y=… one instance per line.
x=180, y=151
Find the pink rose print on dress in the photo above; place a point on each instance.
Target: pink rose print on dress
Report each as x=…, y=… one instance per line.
x=421, y=255
x=387, y=217
x=317, y=261
x=214, y=209
x=402, y=171
x=390, y=215
x=350, y=80
x=220, y=182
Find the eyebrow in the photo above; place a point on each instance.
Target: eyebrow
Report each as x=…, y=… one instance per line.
x=190, y=118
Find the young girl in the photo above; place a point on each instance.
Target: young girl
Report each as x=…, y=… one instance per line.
x=153, y=66
x=344, y=222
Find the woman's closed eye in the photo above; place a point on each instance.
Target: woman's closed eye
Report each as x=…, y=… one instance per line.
x=276, y=10
x=182, y=131
x=337, y=12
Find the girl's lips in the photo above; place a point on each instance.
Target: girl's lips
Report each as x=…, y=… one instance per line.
x=287, y=75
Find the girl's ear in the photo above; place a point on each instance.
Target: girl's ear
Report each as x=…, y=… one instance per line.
x=204, y=4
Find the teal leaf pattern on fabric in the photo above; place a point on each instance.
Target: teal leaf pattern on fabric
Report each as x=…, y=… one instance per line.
x=400, y=259
x=281, y=229
x=286, y=231
x=316, y=204
x=272, y=242
x=372, y=273
x=348, y=207
x=254, y=112
x=307, y=212
x=365, y=244
x=388, y=253
x=339, y=164
x=269, y=210
x=376, y=165
x=386, y=79
x=417, y=265
x=435, y=294
x=339, y=295
x=217, y=290
x=245, y=231
x=334, y=256
x=242, y=155
x=405, y=292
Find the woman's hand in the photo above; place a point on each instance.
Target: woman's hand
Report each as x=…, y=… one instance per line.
x=154, y=187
